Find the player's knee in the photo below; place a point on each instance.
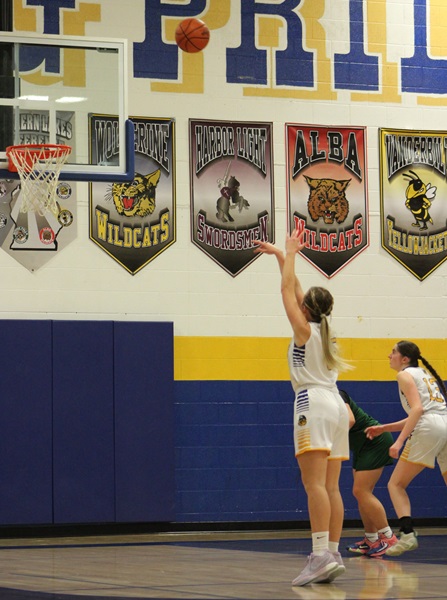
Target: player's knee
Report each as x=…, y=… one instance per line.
x=360, y=493
x=393, y=485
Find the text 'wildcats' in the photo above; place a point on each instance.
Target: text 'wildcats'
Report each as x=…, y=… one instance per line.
x=123, y=236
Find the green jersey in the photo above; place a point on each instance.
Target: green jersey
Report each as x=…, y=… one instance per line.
x=367, y=454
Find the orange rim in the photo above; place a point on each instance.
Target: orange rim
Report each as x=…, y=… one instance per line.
x=43, y=150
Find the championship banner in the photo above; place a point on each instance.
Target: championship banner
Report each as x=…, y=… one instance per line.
x=327, y=192
x=34, y=128
x=134, y=221
x=412, y=191
x=232, y=198
x=32, y=239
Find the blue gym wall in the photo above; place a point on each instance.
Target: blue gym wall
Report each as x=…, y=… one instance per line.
x=100, y=424
x=235, y=459
x=87, y=430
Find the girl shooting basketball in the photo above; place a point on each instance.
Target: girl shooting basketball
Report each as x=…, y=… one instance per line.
x=320, y=416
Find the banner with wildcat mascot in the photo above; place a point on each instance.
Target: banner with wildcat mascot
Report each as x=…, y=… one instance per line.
x=134, y=221
x=232, y=201
x=327, y=192
x=413, y=168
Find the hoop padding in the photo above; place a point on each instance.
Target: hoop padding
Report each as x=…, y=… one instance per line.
x=38, y=166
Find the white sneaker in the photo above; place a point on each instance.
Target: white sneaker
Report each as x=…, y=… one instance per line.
x=338, y=571
x=317, y=569
x=407, y=541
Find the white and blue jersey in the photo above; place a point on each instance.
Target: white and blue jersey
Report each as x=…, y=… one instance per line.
x=321, y=419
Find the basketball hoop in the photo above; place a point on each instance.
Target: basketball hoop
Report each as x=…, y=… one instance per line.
x=38, y=166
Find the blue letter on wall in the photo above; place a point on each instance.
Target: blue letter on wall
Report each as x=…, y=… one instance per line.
x=247, y=64
x=153, y=58
x=33, y=56
x=356, y=70
x=421, y=74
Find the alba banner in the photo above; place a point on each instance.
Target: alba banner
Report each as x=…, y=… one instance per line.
x=327, y=192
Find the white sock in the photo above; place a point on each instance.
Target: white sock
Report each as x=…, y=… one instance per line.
x=372, y=537
x=320, y=542
x=387, y=532
x=333, y=547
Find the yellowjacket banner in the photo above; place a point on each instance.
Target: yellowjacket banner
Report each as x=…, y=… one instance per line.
x=412, y=183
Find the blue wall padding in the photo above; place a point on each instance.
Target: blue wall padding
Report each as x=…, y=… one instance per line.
x=83, y=421
x=87, y=422
x=144, y=433
x=235, y=458
x=95, y=430
x=25, y=423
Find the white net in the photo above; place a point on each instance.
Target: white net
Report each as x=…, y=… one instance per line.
x=38, y=168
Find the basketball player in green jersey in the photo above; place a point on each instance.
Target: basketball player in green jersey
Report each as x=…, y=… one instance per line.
x=369, y=457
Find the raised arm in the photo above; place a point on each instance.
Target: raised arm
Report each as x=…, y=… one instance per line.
x=269, y=248
x=291, y=290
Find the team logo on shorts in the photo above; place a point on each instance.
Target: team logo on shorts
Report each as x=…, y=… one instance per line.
x=302, y=421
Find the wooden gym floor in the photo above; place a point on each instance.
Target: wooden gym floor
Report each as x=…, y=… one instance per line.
x=213, y=566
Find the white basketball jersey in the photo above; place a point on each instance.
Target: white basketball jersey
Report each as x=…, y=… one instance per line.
x=431, y=398
x=307, y=364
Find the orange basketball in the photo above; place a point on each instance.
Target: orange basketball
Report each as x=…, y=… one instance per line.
x=192, y=35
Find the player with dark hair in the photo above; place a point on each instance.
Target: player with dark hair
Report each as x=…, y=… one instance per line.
x=423, y=396
x=369, y=457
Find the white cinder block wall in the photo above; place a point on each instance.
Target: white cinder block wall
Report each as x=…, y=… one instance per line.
x=376, y=296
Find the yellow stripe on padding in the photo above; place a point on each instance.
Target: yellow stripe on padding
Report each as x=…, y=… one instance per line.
x=265, y=359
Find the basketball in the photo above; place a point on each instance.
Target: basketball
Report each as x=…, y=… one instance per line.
x=192, y=35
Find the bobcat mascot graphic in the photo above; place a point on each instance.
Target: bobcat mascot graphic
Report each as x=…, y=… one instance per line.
x=136, y=198
x=327, y=200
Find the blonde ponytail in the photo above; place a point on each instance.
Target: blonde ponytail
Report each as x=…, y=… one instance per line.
x=330, y=348
x=319, y=302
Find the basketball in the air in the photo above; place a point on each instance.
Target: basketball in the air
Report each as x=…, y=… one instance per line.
x=192, y=35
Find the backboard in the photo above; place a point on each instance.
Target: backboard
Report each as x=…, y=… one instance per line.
x=50, y=86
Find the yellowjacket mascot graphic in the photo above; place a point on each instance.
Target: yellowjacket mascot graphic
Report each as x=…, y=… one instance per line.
x=418, y=199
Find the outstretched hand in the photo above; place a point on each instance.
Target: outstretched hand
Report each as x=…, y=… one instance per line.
x=294, y=241
x=265, y=247
x=373, y=431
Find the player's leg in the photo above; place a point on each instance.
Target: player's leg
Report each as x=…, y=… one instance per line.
x=378, y=534
x=371, y=509
x=321, y=563
x=337, y=514
x=335, y=500
x=402, y=476
x=313, y=466
x=442, y=457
